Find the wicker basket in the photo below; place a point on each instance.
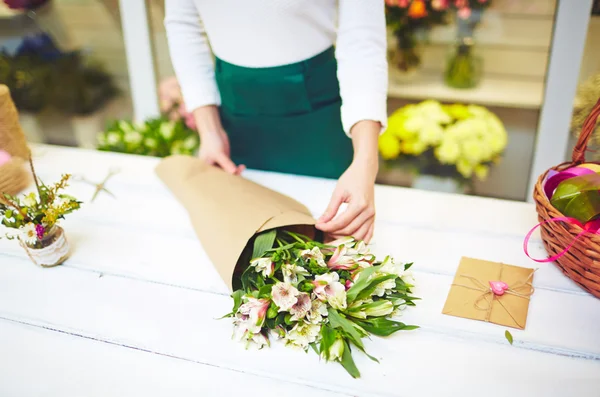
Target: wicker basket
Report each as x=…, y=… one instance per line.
x=581, y=262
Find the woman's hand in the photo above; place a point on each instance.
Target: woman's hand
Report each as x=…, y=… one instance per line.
x=356, y=187
x=214, y=143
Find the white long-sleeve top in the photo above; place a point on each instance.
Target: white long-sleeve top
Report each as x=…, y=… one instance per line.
x=264, y=33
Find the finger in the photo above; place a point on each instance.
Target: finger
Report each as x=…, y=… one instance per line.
x=241, y=168
x=363, y=218
x=370, y=233
x=362, y=232
x=226, y=164
x=342, y=221
x=334, y=205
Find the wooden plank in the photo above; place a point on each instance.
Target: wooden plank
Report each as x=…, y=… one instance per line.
x=179, y=322
x=68, y=365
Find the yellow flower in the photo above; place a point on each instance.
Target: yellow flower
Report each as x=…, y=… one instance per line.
x=457, y=111
x=448, y=152
x=414, y=147
x=465, y=168
x=472, y=151
x=432, y=134
x=389, y=147
x=482, y=171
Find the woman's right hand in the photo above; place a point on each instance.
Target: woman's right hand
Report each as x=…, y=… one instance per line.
x=214, y=143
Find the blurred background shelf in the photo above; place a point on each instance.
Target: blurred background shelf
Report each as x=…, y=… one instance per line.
x=492, y=91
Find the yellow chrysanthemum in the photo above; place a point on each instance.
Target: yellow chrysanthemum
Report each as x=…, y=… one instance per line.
x=448, y=152
x=457, y=111
x=464, y=168
x=389, y=146
x=482, y=171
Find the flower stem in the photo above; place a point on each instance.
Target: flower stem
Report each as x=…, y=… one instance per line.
x=35, y=178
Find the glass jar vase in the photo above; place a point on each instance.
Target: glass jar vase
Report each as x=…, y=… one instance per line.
x=464, y=67
x=52, y=250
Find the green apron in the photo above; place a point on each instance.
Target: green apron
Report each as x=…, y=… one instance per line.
x=285, y=118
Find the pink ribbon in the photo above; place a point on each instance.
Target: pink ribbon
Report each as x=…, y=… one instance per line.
x=592, y=227
x=555, y=179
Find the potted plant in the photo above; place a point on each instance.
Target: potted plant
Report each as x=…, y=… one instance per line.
x=35, y=217
x=443, y=146
x=407, y=20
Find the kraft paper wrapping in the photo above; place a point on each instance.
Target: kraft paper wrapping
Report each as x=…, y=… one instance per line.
x=471, y=297
x=12, y=138
x=13, y=177
x=227, y=211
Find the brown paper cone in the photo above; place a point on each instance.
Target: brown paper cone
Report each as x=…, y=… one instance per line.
x=12, y=138
x=226, y=211
x=14, y=177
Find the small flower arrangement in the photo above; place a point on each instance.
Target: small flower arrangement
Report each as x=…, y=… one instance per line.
x=36, y=217
x=158, y=137
x=326, y=297
x=458, y=141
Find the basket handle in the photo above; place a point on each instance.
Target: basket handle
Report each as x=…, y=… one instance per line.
x=586, y=133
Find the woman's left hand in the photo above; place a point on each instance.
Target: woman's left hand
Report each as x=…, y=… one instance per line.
x=356, y=188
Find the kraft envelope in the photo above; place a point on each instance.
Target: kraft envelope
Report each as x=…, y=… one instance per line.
x=227, y=211
x=471, y=297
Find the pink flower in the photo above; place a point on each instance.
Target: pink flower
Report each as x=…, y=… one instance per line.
x=40, y=230
x=301, y=307
x=340, y=261
x=464, y=13
x=403, y=3
x=439, y=4
x=349, y=284
x=285, y=296
x=460, y=3
x=255, y=310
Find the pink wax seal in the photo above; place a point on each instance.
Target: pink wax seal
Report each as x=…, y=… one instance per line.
x=4, y=157
x=498, y=287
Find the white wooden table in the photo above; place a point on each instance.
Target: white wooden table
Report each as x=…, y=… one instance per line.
x=133, y=312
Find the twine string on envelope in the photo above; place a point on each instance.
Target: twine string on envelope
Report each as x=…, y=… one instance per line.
x=478, y=285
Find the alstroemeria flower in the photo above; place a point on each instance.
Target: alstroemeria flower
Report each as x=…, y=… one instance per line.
x=315, y=254
x=336, y=350
x=379, y=309
x=302, y=335
x=291, y=272
x=285, y=295
x=341, y=261
x=347, y=241
x=328, y=288
x=265, y=266
x=318, y=310
x=301, y=307
x=256, y=310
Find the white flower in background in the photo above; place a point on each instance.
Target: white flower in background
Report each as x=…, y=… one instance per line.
x=101, y=138
x=125, y=126
x=379, y=308
x=259, y=340
x=167, y=129
x=133, y=137
x=389, y=266
x=385, y=287
x=318, y=310
x=189, y=143
x=328, y=288
x=28, y=234
x=264, y=266
x=30, y=200
x=285, y=295
x=315, y=254
x=347, y=241
x=291, y=272
x=302, y=335
x=151, y=143
x=141, y=126
x=408, y=277
x=177, y=148
x=113, y=138
x=301, y=307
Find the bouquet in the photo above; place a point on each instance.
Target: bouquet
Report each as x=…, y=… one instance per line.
x=408, y=18
x=158, y=137
x=35, y=216
x=326, y=297
x=458, y=141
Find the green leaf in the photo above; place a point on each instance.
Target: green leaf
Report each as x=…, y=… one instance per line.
x=373, y=284
x=408, y=265
x=508, y=337
x=383, y=327
x=578, y=197
x=264, y=242
x=348, y=363
x=361, y=284
x=265, y=291
x=337, y=320
x=237, y=302
x=314, y=347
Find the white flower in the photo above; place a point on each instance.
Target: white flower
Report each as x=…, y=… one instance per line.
x=291, y=272
x=301, y=308
x=190, y=142
x=133, y=137
x=259, y=341
x=408, y=277
x=28, y=234
x=347, y=241
x=385, y=287
x=390, y=267
x=302, y=335
x=167, y=129
x=328, y=288
x=285, y=295
x=336, y=350
x=30, y=200
x=318, y=310
x=255, y=310
x=141, y=126
x=315, y=254
x=150, y=142
x=265, y=266
x=379, y=309
x=113, y=138
x=125, y=126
